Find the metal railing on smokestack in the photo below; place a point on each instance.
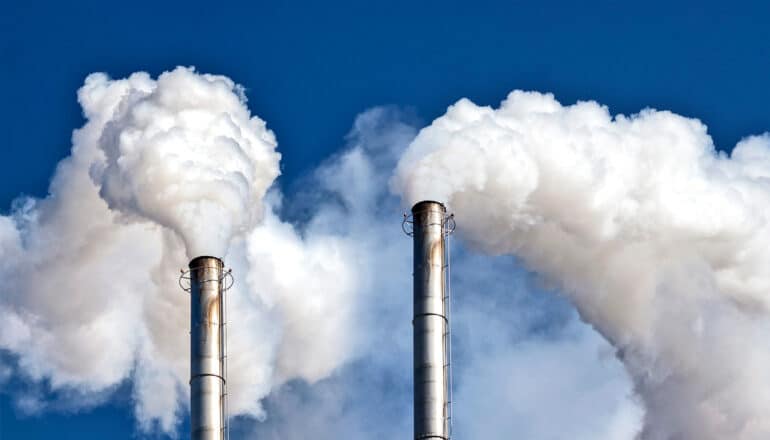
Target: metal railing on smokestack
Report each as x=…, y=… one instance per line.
x=430, y=227
x=206, y=281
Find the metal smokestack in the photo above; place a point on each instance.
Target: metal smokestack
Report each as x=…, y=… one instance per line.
x=207, y=284
x=432, y=402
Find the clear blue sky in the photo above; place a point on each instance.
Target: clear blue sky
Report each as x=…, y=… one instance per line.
x=310, y=68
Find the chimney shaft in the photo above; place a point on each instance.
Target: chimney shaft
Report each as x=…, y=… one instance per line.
x=207, y=350
x=430, y=324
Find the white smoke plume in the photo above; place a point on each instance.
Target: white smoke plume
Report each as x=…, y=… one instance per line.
x=524, y=366
x=184, y=152
x=319, y=317
x=661, y=242
x=163, y=170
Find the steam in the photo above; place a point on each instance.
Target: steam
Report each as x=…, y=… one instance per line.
x=524, y=365
x=163, y=170
x=662, y=243
x=185, y=152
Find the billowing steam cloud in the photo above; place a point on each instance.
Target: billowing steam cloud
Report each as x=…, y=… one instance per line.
x=184, y=152
x=662, y=243
x=162, y=170
x=524, y=366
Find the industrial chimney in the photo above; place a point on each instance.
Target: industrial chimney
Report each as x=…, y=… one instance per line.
x=430, y=226
x=207, y=281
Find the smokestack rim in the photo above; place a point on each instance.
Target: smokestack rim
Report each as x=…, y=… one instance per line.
x=194, y=262
x=427, y=205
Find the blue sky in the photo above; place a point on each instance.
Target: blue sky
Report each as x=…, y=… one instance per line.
x=309, y=69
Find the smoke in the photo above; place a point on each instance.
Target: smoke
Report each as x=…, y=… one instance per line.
x=183, y=152
x=658, y=241
x=318, y=319
x=162, y=170
x=523, y=364
x=661, y=242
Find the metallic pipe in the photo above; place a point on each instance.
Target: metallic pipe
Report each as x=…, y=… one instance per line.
x=431, y=375
x=207, y=350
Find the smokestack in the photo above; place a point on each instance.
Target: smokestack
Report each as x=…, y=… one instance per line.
x=207, y=280
x=431, y=322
